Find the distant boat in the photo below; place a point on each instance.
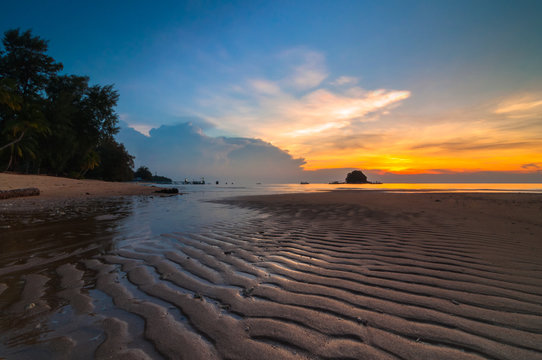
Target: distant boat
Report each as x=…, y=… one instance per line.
x=194, y=182
x=304, y=183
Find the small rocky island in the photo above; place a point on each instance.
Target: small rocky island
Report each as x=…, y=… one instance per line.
x=356, y=177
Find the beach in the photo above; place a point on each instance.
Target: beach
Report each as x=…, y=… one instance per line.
x=60, y=188
x=324, y=275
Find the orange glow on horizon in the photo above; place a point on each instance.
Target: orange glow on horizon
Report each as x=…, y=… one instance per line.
x=416, y=163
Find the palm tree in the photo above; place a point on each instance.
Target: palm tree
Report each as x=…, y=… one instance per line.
x=25, y=70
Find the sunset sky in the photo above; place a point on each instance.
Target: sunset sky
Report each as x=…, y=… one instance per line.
x=391, y=87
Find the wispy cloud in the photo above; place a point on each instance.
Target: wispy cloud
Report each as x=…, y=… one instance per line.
x=339, y=124
x=308, y=68
x=521, y=107
x=345, y=80
x=277, y=111
x=532, y=166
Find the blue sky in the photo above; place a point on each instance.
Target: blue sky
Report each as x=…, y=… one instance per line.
x=332, y=82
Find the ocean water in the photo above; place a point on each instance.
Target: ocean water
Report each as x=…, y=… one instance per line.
x=221, y=191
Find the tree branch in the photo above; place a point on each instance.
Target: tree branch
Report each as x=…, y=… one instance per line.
x=13, y=142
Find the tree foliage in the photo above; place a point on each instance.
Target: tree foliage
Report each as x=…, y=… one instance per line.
x=52, y=123
x=116, y=163
x=356, y=177
x=143, y=173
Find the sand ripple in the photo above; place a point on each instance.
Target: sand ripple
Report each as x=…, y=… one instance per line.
x=304, y=282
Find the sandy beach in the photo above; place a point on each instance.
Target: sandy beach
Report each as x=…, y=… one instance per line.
x=334, y=275
x=55, y=188
x=57, y=192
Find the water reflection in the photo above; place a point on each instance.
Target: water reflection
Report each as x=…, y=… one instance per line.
x=254, y=189
x=39, y=251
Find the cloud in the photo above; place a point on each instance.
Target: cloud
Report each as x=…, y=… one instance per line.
x=141, y=128
x=275, y=110
x=264, y=87
x=183, y=150
x=473, y=144
x=532, y=166
x=345, y=80
x=308, y=68
x=337, y=123
x=521, y=107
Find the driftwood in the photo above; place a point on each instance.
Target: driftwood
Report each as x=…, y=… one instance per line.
x=7, y=194
x=168, y=191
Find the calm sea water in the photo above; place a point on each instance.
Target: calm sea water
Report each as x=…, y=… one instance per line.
x=220, y=191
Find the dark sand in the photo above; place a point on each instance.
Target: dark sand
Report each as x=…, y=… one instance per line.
x=340, y=275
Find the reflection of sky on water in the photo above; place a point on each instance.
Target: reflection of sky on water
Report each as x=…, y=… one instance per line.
x=186, y=213
x=208, y=192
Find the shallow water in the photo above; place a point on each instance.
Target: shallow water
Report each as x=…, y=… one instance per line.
x=212, y=190
x=38, y=244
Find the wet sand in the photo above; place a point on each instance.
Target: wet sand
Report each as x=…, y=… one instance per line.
x=339, y=275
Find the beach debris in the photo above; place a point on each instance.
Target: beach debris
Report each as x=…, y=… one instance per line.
x=7, y=194
x=247, y=292
x=364, y=322
x=166, y=276
x=226, y=307
x=455, y=302
x=168, y=191
x=198, y=296
x=229, y=252
x=30, y=306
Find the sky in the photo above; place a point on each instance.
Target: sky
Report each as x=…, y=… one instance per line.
x=308, y=90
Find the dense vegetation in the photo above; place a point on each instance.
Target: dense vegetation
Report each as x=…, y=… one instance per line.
x=144, y=174
x=55, y=124
x=356, y=177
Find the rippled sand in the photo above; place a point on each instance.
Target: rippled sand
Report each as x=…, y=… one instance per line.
x=342, y=275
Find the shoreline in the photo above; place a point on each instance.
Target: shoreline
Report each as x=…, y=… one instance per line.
x=59, y=191
x=340, y=274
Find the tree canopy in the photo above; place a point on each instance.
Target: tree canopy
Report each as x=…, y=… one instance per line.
x=143, y=173
x=52, y=123
x=356, y=177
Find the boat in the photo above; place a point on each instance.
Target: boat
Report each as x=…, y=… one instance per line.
x=304, y=183
x=194, y=182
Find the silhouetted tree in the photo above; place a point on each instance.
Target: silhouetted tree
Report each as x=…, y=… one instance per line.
x=80, y=117
x=55, y=123
x=143, y=173
x=356, y=177
x=25, y=70
x=116, y=163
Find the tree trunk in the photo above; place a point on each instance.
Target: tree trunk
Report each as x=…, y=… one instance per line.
x=14, y=141
x=6, y=194
x=10, y=159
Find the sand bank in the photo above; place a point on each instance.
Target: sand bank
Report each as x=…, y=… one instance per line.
x=349, y=275
x=59, y=191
